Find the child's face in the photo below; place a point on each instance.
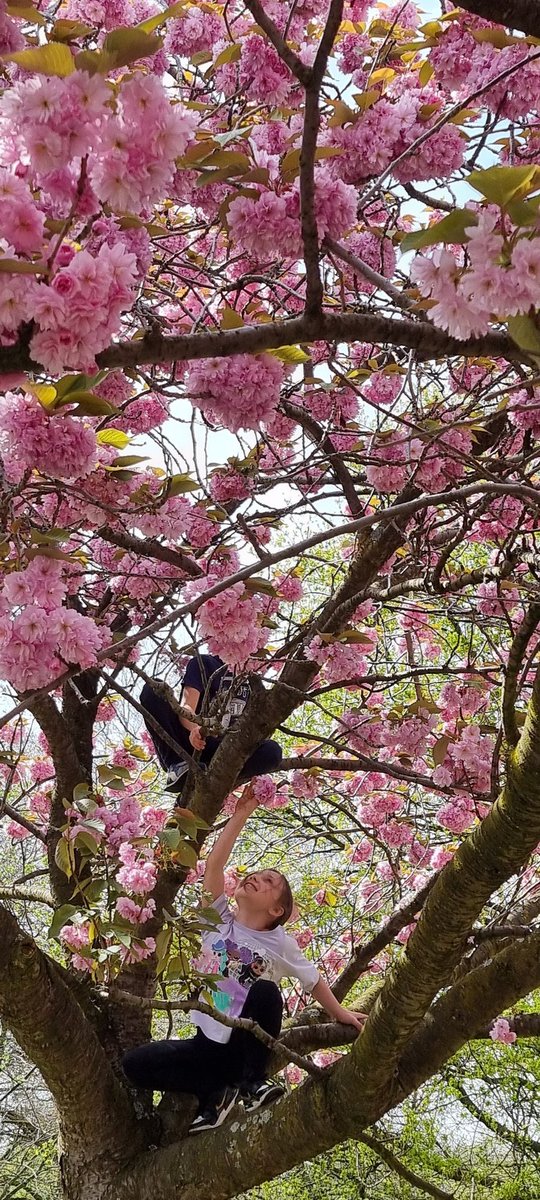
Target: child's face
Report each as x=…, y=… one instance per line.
x=258, y=895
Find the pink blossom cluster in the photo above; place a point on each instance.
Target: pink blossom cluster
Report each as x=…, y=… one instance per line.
x=500, y=1032
x=129, y=821
x=80, y=311
x=263, y=74
x=37, y=641
x=462, y=65
x=382, y=387
x=138, y=872
x=136, y=914
x=377, y=810
x=388, y=128
x=270, y=224
x=238, y=392
x=290, y=588
x=193, y=32
x=56, y=445
x=132, y=139
x=268, y=794
x=465, y=300
x=106, y=14
x=342, y=660
x=21, y=220
x=374, y=250
x=230, y=485
x=524, y=410
x=497, y=599
x=457, y=814
x=305, y=785
x=230, y=624
x=462, y=699
x=467, y=762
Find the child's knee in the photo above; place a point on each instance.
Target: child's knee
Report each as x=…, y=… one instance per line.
x=273, y=755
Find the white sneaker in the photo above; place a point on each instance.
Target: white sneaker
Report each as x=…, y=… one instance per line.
x=176, y=776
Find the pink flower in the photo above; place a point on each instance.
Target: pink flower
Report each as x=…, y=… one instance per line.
x=230, y=485
x=229, y=623
x=138, y=874
x=59, y=446
x=153, y=820
x=135, y=913
x=17, y=832
x=500, y=1032
x=290, y=588
x=264, y=789
x=303, y=938
x=238, y=392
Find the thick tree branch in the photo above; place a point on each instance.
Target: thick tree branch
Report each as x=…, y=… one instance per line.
x=151, y=548
x=515, y=662
x=425, y=339
x=515, y=14
x=45, y=1018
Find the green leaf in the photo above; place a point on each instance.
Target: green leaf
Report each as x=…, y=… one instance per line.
x=289, y=354
x=525, y=333
x=163, y=942
x=61, y=918
x=85, y=841
x=449, y=229
x=176, y=485
x=170, y=838
x=52, y=59
x=500, y=185
x=64, y=857
x=178, y=967
x=439, y=749
x=185, y=854
x=88, y=405
x=113, y=437
x=126, y=45
x=127, y=460
x=256, y=584
x=152, y=23
x=19, y=266
x=230, y=319
x=66, y=31
x=80, y=792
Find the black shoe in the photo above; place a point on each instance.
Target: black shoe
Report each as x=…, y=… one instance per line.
x=262, y=1092
x=215, y=1114
x=176, y=777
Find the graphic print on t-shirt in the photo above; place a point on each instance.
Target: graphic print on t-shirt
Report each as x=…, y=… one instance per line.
x=239, y=967
x=236, y=699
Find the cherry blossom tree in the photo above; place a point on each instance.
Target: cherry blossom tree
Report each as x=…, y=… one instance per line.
x=269, y=346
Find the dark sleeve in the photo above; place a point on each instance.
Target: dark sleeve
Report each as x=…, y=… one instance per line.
x=194, y=677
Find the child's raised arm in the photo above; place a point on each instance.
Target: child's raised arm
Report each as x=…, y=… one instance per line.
x=221, y=852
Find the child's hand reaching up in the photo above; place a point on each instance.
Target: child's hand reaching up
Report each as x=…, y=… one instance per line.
x=247, y=801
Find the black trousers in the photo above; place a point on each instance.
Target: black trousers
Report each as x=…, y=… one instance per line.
x=202, y=1067
x=265, y=759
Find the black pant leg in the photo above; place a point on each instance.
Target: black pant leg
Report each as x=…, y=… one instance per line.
x=195, y=1065
x=263, y=1004
x=165, y=716
x=264, y=760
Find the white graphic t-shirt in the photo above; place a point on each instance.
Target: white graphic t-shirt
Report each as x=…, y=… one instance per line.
x=241, y=955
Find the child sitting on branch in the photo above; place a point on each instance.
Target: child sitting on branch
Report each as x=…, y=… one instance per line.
x=209, y=687
x=251, y=952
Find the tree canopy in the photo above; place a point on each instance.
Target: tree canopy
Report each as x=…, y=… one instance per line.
x=269, y=351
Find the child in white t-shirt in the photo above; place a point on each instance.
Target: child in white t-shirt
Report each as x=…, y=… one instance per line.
x=251, y=952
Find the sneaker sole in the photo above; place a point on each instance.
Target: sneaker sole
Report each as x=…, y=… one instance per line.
x=222, y=1116
x=270, y=1098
